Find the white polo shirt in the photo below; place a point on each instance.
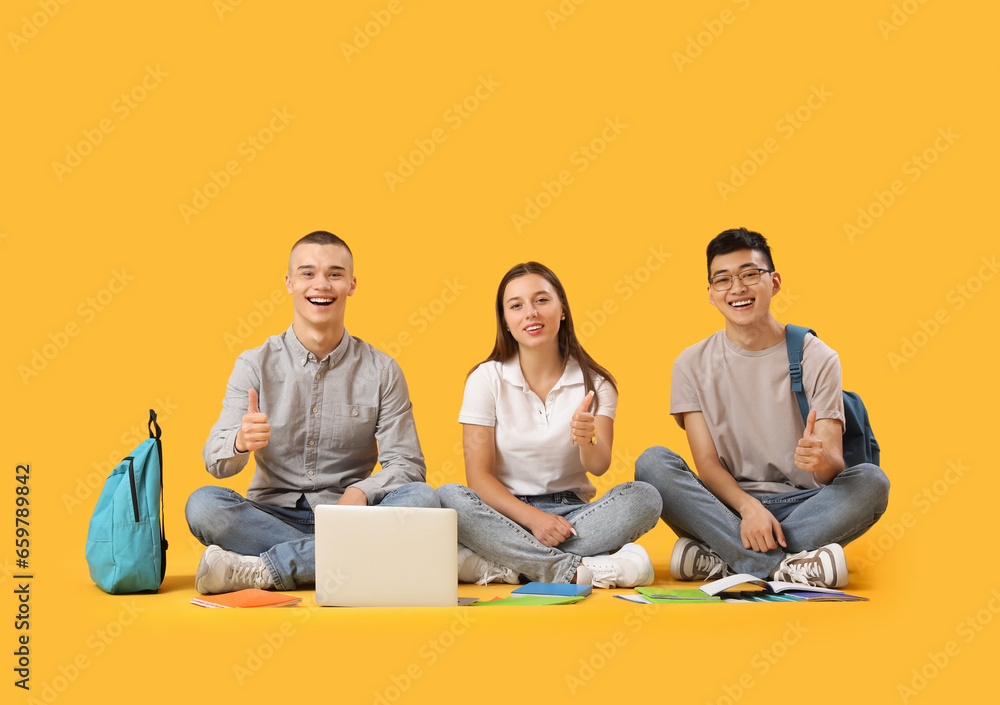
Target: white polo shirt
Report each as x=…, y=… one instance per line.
x=535, y=454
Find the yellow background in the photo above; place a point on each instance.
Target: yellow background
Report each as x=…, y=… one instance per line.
x=885, y=81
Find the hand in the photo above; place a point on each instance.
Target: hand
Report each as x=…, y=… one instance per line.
x=809, y=455
x=353, y=497
x=583, y=427
x=550, y=529
x=255, y=431
x=760, y=531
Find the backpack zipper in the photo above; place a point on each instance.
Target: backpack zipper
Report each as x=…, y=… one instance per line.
x=131, y=482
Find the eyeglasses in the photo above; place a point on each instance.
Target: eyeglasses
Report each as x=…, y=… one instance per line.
x=749, y=277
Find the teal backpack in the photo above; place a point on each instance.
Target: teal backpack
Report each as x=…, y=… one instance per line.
x=860, y=445
x=126, y=544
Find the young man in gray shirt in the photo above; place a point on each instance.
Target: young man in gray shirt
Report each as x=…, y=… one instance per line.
x=772, y=496
x=318, y=408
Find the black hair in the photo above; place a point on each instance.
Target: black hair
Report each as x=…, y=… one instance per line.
x=738, y=239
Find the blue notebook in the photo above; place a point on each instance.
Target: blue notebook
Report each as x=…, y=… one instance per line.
x=553, y=589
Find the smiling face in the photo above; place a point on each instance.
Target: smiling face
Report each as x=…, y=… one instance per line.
x=320, y=278
x=532, y=311
x=742, y=305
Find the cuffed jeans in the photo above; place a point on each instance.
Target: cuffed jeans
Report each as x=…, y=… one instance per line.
x=281, y=536
x=621, y=516
x=837, y=513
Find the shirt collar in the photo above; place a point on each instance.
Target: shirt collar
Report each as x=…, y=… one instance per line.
x=303, y=356
x=511, y=373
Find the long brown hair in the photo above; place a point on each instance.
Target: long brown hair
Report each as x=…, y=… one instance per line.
x=505, y=346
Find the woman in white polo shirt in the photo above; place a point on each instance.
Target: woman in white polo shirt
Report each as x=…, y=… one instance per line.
x=538, y=418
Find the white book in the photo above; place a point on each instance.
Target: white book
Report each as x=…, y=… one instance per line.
x=775, y=586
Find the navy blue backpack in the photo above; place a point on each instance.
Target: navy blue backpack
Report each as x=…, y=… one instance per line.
x=860, y=445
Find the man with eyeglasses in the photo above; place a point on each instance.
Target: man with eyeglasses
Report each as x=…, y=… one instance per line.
x=772, y=497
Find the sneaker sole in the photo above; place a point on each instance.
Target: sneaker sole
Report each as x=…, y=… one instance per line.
x=839, y=560
x=677, y=559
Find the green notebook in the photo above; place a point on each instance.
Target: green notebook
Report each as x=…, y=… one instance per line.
x=531, y=600
x=661, y=595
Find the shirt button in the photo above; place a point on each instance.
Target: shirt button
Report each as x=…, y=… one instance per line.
x=354, y=412
x=310, y=472
x=315, y=409
x=312, y=443
x=319, y=376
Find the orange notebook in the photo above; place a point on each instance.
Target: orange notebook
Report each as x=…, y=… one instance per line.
x=247, y=598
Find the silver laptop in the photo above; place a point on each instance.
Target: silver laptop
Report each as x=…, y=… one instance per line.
x=386, y=557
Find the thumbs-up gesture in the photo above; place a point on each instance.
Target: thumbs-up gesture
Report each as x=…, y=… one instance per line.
x=582, y=427
x=809, y=453
x=255, y=430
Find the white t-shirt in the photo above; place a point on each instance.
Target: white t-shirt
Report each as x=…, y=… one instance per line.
x=747, y=400
x=535, y=453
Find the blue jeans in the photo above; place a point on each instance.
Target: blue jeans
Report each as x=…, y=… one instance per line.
x=282, y=536
x=837, y=513
x=621, y=516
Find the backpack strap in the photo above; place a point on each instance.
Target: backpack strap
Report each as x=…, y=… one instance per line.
x=163, y=513
x=153, y=425
x=795, y=337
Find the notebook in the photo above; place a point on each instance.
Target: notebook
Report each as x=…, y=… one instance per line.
x=386, y=557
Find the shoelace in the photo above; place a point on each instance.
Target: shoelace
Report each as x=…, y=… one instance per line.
x=246, y=572
x=804, y=572
x=491, y=572
x=605, y=572
x=708, y=563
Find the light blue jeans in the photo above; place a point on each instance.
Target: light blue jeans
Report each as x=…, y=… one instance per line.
x=282, y=536
x=837, y=513
x=621, y=516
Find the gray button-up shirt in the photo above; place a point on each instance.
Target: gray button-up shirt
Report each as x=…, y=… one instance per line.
x=331, y=421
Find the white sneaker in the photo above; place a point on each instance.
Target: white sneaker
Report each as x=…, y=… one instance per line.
x=693, y=560
x=473, y=568
x=629, y=567
x=224, y=571
x=824, y=567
